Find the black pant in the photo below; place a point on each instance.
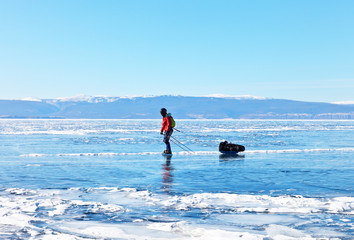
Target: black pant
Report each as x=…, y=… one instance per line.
x=166, y=139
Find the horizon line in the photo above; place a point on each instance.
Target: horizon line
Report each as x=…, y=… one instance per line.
x=85, y=97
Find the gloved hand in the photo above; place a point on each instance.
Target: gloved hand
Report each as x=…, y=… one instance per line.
x=161, y=133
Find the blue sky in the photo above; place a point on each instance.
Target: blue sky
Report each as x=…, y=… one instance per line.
x=301, y=49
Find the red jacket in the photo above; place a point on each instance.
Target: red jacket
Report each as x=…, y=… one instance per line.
x=166, y=124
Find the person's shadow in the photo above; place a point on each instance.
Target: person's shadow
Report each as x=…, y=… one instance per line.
x=167, y=176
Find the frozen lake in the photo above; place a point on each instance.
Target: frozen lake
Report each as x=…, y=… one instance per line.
x=89, y=179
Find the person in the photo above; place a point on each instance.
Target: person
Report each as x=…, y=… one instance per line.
x=166, y=130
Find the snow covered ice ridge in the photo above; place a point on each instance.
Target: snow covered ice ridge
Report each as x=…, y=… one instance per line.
x=44, y=214
x=251, y=203
x=270, y=151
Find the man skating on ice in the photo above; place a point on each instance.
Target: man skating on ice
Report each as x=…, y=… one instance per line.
x=166, y=130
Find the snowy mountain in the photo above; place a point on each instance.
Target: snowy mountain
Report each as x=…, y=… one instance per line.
x=182, y=107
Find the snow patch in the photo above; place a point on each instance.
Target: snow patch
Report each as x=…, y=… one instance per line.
x=240, y=97
x=344, y=102
x=31, y=99
x=96, y=98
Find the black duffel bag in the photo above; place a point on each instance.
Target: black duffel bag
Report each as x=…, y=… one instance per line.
x=230, y=147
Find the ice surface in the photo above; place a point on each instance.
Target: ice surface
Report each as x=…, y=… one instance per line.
x=182, y=153
x=83, y=179
x=283, y=232
x=22, y=209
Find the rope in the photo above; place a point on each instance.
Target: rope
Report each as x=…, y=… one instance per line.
x=188, y=149
x=177, y=144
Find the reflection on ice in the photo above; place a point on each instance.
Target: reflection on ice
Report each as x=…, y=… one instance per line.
x=231, y=156
x=167, y=175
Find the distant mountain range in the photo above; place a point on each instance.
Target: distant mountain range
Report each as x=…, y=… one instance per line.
x=182, y=107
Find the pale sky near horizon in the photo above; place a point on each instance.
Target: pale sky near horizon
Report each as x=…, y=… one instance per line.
x=301, y=50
